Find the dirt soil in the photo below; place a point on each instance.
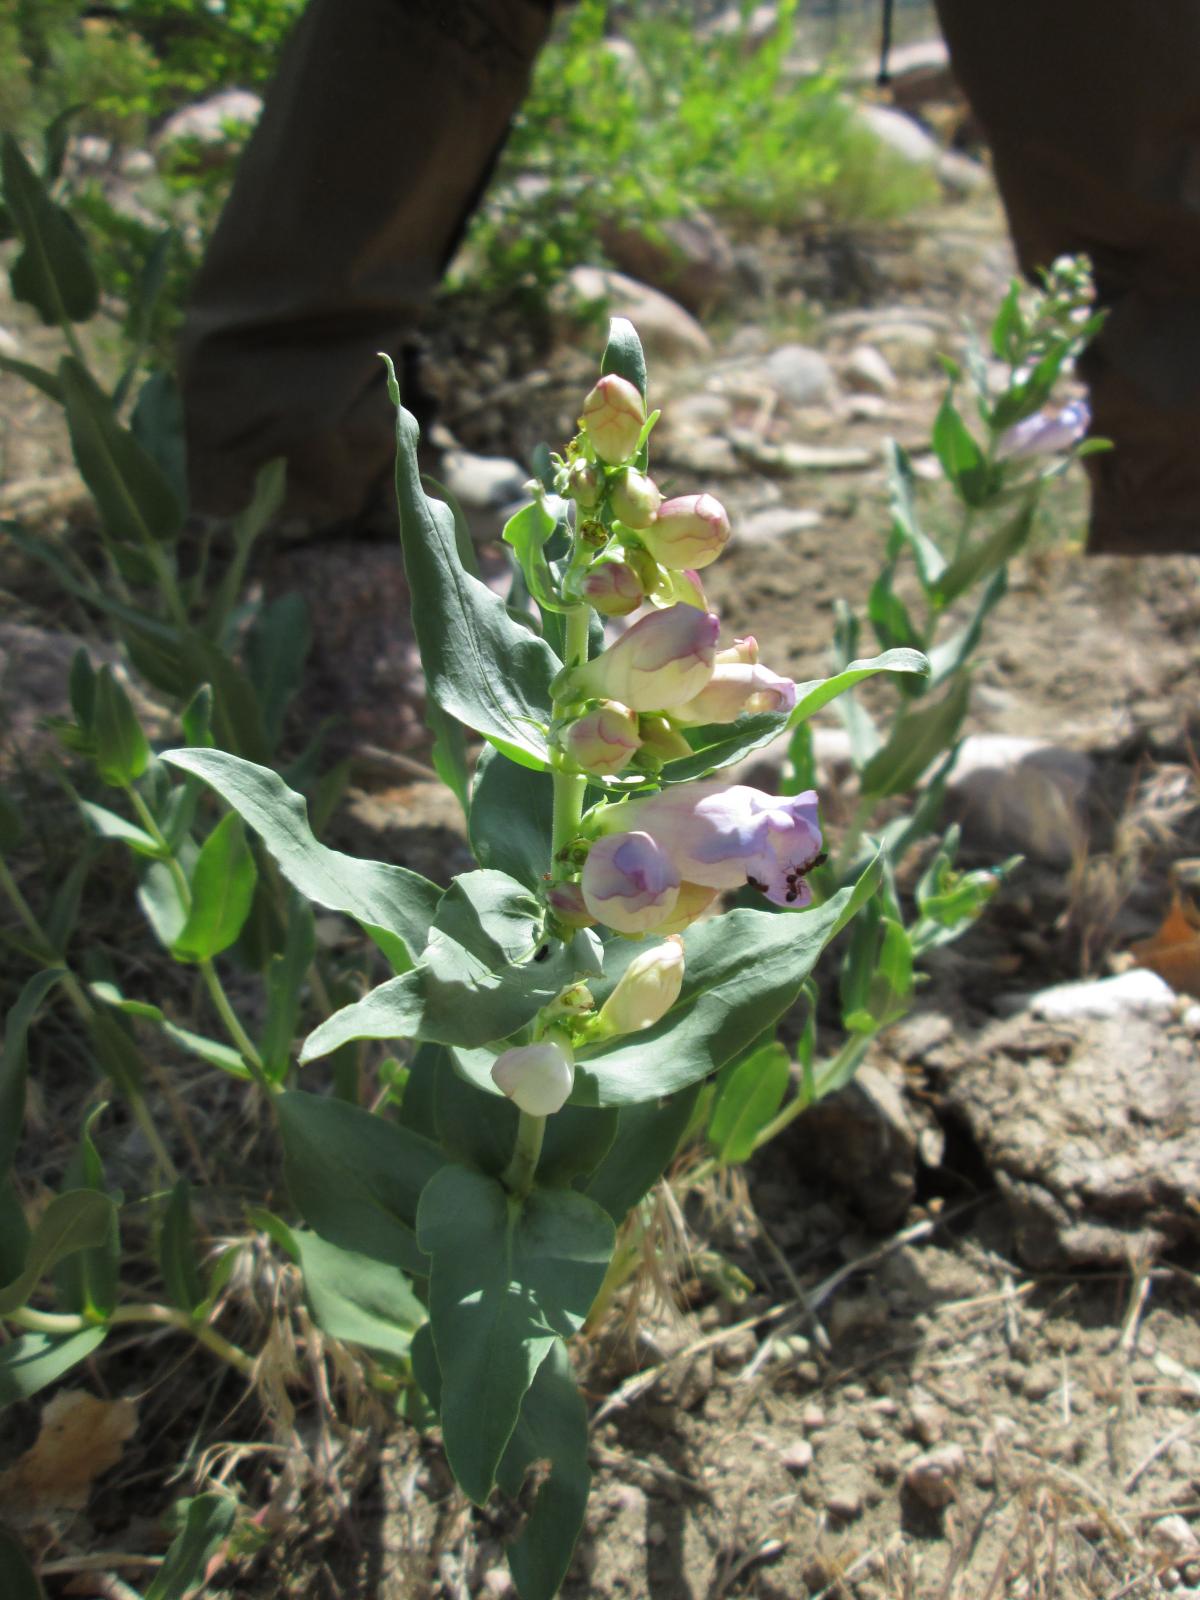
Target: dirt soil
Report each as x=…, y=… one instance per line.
x=845, y=1398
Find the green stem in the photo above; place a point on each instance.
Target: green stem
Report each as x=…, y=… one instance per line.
x=569, y=787
x=59, y=1324
x=519, y=1174
x=233, y=1027
x=150, y=823
x=620, y=1269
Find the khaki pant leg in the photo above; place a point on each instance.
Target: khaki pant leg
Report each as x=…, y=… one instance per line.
x=377, y=136
x=1092, y=109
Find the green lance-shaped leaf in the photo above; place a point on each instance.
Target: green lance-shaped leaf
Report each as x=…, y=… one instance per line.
x=751, y=1096
x=390, y=903
x=213, y=1051
x=960, y=456
x=358, y=1298
x=906, y=527
x=917, y=739
x=506, y=1278
x=14, y=1060
x=277, y=647
x=285, y=979
x=222, y=884
x=209, y=1522
x=511, y=819
x=478, y=977
x=528, y=531
x=355, y=1178
x=14, y=1232
x=818, y=692
x=36, y=1360
x=87, y=1280
x=480, y=665
x=111, y=825
x=134, y=496
x=54, y=272
x=178, y=1252
x=37, y=376
x=81, y=1219
x=552, y=1427
x=623, y=354
x=742, y=971
x=20, y=1580
x=986, y=556
x=122, y=752
x=646, y=1140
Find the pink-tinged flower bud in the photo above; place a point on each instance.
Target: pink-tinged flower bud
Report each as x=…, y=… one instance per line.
x=689, y=531
x=694, y=900
x=635, y=498
x=742, y=652
x=629, y=882
x=735, y=690
x=536, y=1077
x=724, y=837
x=612, y=588
x=613, y=415
x=567, y=905
x=678, y=588
x=645, y=992
x=663, y=661
x=584, y=484
x=1045, y=433
x=603, y=741
x=661, y=740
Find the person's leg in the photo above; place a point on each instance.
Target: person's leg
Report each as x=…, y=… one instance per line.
x=1092, y=110
x=376, y=139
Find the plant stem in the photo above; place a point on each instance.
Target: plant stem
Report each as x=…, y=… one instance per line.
x=519, y=1174
x=233, y=1027
x=620, y=1269
x=60, y=1324
x=148, y=821
x=570, y=788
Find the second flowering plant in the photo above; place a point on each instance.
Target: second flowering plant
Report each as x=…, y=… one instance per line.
x=558, y=1009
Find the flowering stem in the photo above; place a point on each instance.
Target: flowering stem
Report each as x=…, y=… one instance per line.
x=569, y=788
x=519, y=1174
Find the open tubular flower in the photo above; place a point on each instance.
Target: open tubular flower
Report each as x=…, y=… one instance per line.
x=736, y=688
x=689, y=531
x=613, y=414
x=663, y=661
x=646, y=990
x=629, y=882
x=603, y=741
x=1045, y=433
x=537, y=1078
x=723, y=837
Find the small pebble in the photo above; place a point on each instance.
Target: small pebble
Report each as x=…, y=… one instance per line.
x=813, y=1418
x=797, y=1457
x=926, y=1422
x=931, y=1477
x=845, y=1504
x=498, y=1581
x=1041, y=1380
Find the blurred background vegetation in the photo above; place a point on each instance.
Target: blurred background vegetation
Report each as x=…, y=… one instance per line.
x=639, y=114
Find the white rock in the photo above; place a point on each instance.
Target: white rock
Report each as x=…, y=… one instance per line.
x=10, y=345
x=1023, y=795
x=90, y=150
x=667, y=331
x=705, y=409
x=482, y=483
x=900, y=134
x=1136, y=993
x=206, y=120
x=801, y=375
x=776, y=522
x=959, y=174
x=1191, y=1020
x=800, y=457
x=797, y=1457
x=138, y=164
x=932, y=1477
x=867, y=368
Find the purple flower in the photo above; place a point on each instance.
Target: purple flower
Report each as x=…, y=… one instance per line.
x=1045, y=433
x=663, y=661
x=724, y=837
x=736, y=687
x=629, y=882
x=566, y=902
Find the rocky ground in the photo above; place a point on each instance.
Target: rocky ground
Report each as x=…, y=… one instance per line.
x=940, y=1341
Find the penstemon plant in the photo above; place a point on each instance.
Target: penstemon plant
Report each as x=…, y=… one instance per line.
x=564, y=1002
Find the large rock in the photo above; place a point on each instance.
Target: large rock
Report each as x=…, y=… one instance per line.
x=668, y=332
x=1089, y=1129
x=801, y=375
x=208, y=122
x=1020, y=794
x=688, y=258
